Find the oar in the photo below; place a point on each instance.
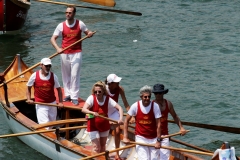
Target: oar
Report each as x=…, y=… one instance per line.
x=190, y=145
x=96, y=8
x=34, y=66
x=114, y=150
x=55, y=105
x=74, y=108
x=174, y=134
x=212, y=127
x=167, y=136
x=108, y=3
x=37, y=132
x=173, y=148
x=108, y=119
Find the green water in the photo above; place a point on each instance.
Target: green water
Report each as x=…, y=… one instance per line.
x=191, y=46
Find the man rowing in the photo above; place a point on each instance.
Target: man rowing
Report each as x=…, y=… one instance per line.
x=148, y=128
x=44, y=81
x=166, y=107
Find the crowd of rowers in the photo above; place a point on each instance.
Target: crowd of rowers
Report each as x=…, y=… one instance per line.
x=150, y=116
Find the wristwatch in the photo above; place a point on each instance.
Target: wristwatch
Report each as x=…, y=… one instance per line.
x=159, y=139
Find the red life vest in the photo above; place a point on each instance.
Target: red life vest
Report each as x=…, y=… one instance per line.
x=98, y=123
x=70, y=36
x=164, y=119
x=116, y=94
x=44, y=89
x=146, y=123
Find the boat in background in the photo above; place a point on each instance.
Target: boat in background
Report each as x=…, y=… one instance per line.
x=13, y=14
x=21, y=117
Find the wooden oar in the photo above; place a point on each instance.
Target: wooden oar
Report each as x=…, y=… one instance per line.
x=190, y=145
x=174, y=134
x=167, y=136
x=108, y=119
x=34, y=66
x=74, y=108
x=42, y=131
x=108, y=3
x=114, y=150
x=55, y=105
x=212, y=127
x=173, y=148
x=96, y=8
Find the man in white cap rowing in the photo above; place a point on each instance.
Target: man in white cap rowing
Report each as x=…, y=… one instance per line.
x=44, y=81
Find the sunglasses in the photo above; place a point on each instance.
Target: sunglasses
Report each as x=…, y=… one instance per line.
x=158, y=93
x=99, y=92
x=147, y=97
x=48, y=66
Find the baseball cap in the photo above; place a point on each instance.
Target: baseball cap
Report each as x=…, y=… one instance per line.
x=113, y=78
x=46, y=61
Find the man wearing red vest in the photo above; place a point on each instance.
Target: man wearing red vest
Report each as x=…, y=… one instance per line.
x=71, y=60
x=148, y=128
x=166, y=107
x=44, y=83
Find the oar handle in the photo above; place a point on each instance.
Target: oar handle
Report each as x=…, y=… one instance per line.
x=172, y=148
x=55, y=105
x=108, y=119
x=34, y=66
x=42, y=131
x=114, y=150
x=174, y=134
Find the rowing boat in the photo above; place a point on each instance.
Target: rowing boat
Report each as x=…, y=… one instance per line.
x=13, y=14
x=21, y=117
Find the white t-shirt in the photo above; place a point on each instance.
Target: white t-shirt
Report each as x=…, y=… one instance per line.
x=33, y=77
x=59, y=29
x=134, y=108
x=111, y=104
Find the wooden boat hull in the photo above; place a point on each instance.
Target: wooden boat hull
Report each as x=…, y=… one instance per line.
x=13, y=14
x=21, y=117
x=41, y=143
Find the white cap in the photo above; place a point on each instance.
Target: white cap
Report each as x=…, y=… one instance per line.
x=113, y=78
x=46, y=61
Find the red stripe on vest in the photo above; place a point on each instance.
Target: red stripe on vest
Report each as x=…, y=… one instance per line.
x=44, y=89
x=70, y=36
x=146, y=123
x=98, y=123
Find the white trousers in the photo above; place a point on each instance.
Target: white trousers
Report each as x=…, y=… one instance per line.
x=144, y=152
x=164, y=153
x=46, y=114
x=71, y=68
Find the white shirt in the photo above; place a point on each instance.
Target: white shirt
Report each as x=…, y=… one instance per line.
x=111, y=103
x=59, y=29
x=134, y=108
x=33, y=77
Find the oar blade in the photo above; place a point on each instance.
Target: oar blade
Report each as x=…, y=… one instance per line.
x=96, y=8
x=108, y=3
